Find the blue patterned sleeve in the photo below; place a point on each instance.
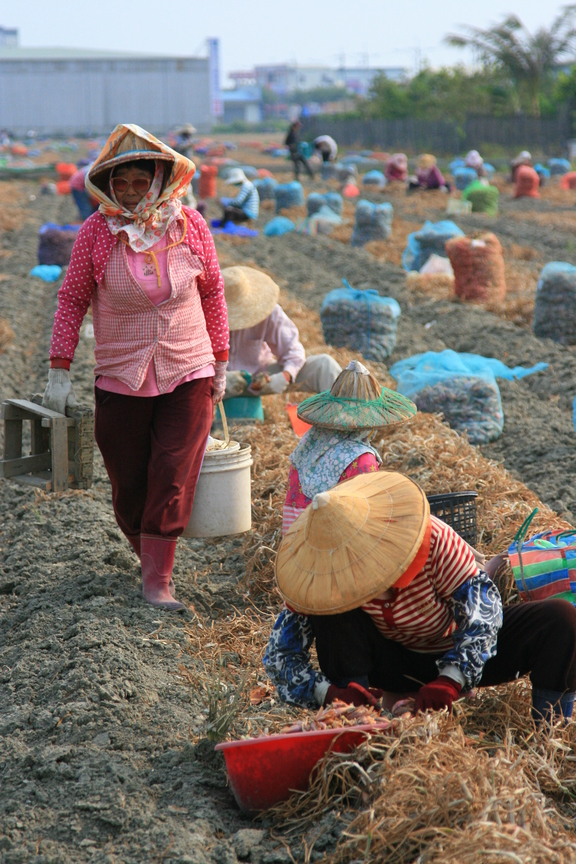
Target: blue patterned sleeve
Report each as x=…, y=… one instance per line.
x=287, y=662
x=477, y=610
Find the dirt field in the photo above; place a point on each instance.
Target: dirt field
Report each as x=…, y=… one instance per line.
x=104, y=700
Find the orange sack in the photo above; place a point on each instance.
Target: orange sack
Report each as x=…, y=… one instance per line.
x=65, y=170
x=568, y=181
x=527, y=183
x=478, y=266
x=207, y=185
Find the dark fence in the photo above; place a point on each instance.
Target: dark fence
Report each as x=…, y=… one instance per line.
x=519, y=131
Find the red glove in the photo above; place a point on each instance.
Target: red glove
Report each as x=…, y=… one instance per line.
x=439, y=694
x=354, y=694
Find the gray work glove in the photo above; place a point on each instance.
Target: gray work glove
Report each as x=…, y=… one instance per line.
x=236, y=384
x=276, y=384
x=59, y=391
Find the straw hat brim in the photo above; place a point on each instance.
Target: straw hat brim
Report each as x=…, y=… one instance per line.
x=330, y=412
x=251, y=295
x=360, y=539
x=130, y=156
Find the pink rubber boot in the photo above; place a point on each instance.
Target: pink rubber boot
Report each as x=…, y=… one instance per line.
x=135, y=544
x=157, y=562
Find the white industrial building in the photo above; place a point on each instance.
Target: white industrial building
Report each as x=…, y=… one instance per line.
x=58, y=91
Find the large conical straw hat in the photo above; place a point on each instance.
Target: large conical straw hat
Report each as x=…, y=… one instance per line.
x=131, y=146
x=353, y=542
x=250, y=296
x=356, y=401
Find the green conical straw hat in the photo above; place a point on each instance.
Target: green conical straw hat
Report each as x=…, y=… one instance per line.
x=356, y=401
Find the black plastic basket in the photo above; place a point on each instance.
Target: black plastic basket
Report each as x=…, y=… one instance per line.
x=457, y=509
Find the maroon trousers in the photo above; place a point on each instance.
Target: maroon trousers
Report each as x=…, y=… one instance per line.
x=153, y=447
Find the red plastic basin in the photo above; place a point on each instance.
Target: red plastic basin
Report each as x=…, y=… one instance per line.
x=264, y=771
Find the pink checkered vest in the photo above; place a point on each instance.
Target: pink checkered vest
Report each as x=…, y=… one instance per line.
x=129, y=330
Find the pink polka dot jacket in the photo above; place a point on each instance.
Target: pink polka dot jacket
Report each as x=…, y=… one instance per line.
x=185, y=333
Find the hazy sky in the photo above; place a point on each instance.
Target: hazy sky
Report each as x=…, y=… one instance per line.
x=264, y=31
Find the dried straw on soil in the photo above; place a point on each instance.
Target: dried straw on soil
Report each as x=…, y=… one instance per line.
x=441, y=793
x=12, y=198
x=6, y=335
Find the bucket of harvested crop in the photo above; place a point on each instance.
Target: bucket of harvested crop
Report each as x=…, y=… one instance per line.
x=289, y=195
x=527, y=183
x=55, y=243
x=373, y=222
x=555, y=306
x=430, y=240
x=462, y=387
x=361, y=320
x=478, y=266
x=484, y=198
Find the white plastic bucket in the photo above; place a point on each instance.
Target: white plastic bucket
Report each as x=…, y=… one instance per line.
x=222, y=503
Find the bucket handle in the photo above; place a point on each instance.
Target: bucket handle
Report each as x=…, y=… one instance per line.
x=224, y=422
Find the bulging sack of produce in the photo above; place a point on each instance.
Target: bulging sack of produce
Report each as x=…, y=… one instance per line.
x=455, y=164
x=555, y=307
x=288, y=195
x=559, y=166
x=484, y=199
x=361, y=320
x=373, y=222
x=478, y=266
x=464, y=176
x=266, y=187
x=568, y=180
x=460, y=386
x=330, y=199
x=278, y=226
x=431, y=239
x=323, y=221
x=374, y=178
x=344, y=173
x=55, y=243
x=527, y=183
x=546, y=565
x=329, y=171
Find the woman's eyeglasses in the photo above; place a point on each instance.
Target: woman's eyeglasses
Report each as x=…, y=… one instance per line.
x=141, y=185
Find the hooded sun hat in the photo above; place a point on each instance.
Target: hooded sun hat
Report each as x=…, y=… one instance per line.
x=353, y=542
x=251, y=295
x=425, y=161
x=356, y=401
x=185, y=129
x=473, y=159
x=161, y=205
x=235, y=176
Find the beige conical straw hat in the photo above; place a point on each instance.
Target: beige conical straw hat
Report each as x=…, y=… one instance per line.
x=251, y=295
x=356, y=401
x=353, y=542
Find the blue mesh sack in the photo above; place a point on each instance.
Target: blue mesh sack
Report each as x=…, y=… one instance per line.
x=288, y=195
x=333, y=200
x=361, y=320
x=322, y=221
x=346, y=172
x=464, y=176
x=559, y=166
x=373, y=222
x=456, y=163
x=278, y=226
x=555, y=306
x=462, y=387
x=329, y=171
x=374, y=178
x=430, y=240
x=266, y=187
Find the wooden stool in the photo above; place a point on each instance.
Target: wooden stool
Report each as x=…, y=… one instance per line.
x=61, y=446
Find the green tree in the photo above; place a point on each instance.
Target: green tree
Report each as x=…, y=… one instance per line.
x=527, y=60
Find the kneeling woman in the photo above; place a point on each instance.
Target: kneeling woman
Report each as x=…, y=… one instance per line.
x=396, y=602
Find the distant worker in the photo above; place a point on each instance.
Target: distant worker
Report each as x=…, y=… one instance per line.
x=474, y=160
x=428, y=175
x=292, y=141
x=246, y=205
x=326, y=147
x=266, y=355
x=523, y=158
x=184, y=140
x=85, y=203
x=397, y=167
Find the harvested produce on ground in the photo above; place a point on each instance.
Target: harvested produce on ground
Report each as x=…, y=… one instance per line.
x=360, y=320
x=478, y=266
x=339, y=714
x=55, y=246
x=484, y=199
x=471, y=405
x=373, y=222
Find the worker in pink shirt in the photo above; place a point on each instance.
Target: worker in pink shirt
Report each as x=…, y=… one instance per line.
x=148, y=267
x=266, y=355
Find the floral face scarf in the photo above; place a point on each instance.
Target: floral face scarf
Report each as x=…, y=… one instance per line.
x=157, y=209
x=324, y=454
